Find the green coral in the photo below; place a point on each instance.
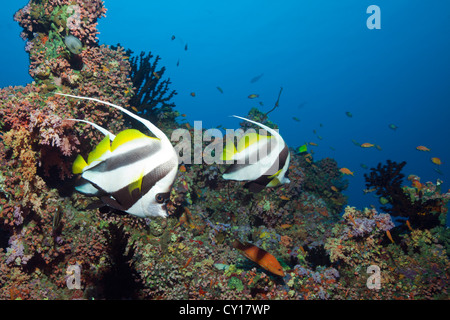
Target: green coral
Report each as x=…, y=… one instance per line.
x=235, y=284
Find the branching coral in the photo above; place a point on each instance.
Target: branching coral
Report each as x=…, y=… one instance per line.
x=152, y=94
x=119, y=280
x=421, y=211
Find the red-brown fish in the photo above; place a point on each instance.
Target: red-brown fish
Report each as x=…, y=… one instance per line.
x=422, y=148
x=264, y=259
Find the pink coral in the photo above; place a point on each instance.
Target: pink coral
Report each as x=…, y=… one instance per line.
x=81, y=17
x=36, y=139
x=361, y=224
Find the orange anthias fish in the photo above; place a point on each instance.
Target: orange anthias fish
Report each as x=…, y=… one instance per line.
x=264, y=259
x=350, y=217
x=422, y=148
x=44, y=39
x=367, y=145
x=253, y=96
x=409, y=225
x=346, y=171
x=389, y=236
x=187, y=263
x=416, y=184
x=193, y=94
x=436, y=161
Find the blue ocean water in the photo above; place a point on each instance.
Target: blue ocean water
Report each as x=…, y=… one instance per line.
x=323, y=55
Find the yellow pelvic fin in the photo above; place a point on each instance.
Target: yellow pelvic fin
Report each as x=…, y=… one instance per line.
x=126, y=136
x=103, y=147
x=275, y=175
x=78, y=165
x=137, y=184
x=273, y=183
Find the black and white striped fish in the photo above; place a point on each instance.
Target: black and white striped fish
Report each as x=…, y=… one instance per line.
x=263, y=160
x=131, y=172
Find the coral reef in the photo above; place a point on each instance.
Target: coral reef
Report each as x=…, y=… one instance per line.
x=324, y=179
x=360, y=240
x=47, y=230
x=423, y=205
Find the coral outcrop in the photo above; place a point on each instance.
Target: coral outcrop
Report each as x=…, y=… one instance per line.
x=423, y=205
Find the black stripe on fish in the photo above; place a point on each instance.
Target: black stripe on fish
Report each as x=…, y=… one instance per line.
x=240, y=166
x=123, y=200
x=128, y=158
x=260, y=183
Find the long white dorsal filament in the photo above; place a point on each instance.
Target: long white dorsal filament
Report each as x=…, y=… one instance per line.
x=96, y=126
x=150, y=126
x=270, y=130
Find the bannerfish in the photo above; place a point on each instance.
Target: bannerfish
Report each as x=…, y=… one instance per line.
x=131, y=172
x=263, y=160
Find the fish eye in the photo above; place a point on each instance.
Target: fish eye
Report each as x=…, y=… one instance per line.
x=159, y=198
